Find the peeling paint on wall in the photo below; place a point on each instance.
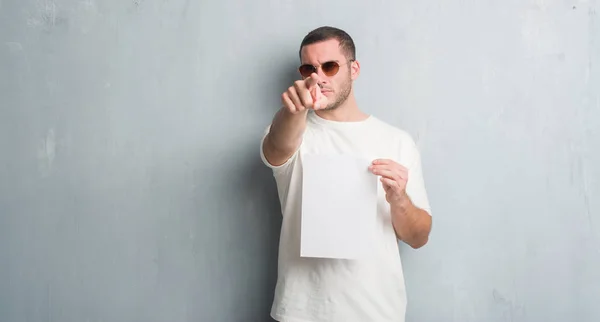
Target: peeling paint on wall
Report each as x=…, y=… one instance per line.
x=47, y=153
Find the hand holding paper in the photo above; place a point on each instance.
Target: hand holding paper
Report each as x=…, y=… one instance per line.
x=394, y=178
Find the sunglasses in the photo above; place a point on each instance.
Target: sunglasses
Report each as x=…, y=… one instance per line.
x=329, y=68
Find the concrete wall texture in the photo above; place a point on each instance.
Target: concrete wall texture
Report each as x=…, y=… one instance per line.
x=131, y=187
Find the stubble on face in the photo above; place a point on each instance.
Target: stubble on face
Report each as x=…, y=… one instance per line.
x=341, y=95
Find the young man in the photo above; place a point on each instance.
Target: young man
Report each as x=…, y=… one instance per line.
x=320, y=114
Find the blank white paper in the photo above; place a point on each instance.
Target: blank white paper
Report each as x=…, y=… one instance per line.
x=339, y=206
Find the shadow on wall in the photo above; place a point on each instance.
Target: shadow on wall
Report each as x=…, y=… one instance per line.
x=290, y=74
x=285, y=71
x=261, y=186
x=248, y=187
x=262, y=208
x=260, y=177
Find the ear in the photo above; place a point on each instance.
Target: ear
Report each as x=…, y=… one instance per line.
x=354, y=69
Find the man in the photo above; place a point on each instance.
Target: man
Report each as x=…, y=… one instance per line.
x=320, y=114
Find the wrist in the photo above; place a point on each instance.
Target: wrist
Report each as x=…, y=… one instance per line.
x=402, y=203
x=288, y=112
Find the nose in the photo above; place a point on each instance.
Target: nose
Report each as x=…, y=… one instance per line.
x=322, y=77
x=321, y=74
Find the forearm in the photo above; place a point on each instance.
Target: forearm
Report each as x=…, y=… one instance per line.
x=285, y=135
x=287, y=129
x=411, y=224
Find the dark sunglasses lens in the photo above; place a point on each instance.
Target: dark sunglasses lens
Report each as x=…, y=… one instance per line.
x=306, y=70
x=330, y=68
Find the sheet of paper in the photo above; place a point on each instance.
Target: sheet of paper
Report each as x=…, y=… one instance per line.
x=339, y=206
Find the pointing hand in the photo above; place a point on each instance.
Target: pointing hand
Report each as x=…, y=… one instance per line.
x=304, y=94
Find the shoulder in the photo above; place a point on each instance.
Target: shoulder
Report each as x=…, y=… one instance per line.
x=398, y=141
x=391, y=131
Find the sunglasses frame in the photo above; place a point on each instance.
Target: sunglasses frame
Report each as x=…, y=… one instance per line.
x=315, y=68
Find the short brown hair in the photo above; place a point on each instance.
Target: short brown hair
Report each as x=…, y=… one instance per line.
x=326, y=33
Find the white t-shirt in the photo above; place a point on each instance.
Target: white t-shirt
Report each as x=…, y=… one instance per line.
x=336, y=290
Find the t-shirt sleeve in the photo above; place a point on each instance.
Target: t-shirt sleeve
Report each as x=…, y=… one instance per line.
x=283, y=173
x=415, y=186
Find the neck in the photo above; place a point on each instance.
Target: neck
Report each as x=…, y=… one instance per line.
x=347, y=112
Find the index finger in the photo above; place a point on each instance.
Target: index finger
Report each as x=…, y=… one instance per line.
x=382, y=161
x=385, y=163
x=311, y=81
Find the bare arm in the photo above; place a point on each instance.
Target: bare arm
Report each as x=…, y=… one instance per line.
x=289, y=123
x=285, y=136
x=411, y=224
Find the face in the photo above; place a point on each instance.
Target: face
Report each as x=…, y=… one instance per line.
x=335, y=83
